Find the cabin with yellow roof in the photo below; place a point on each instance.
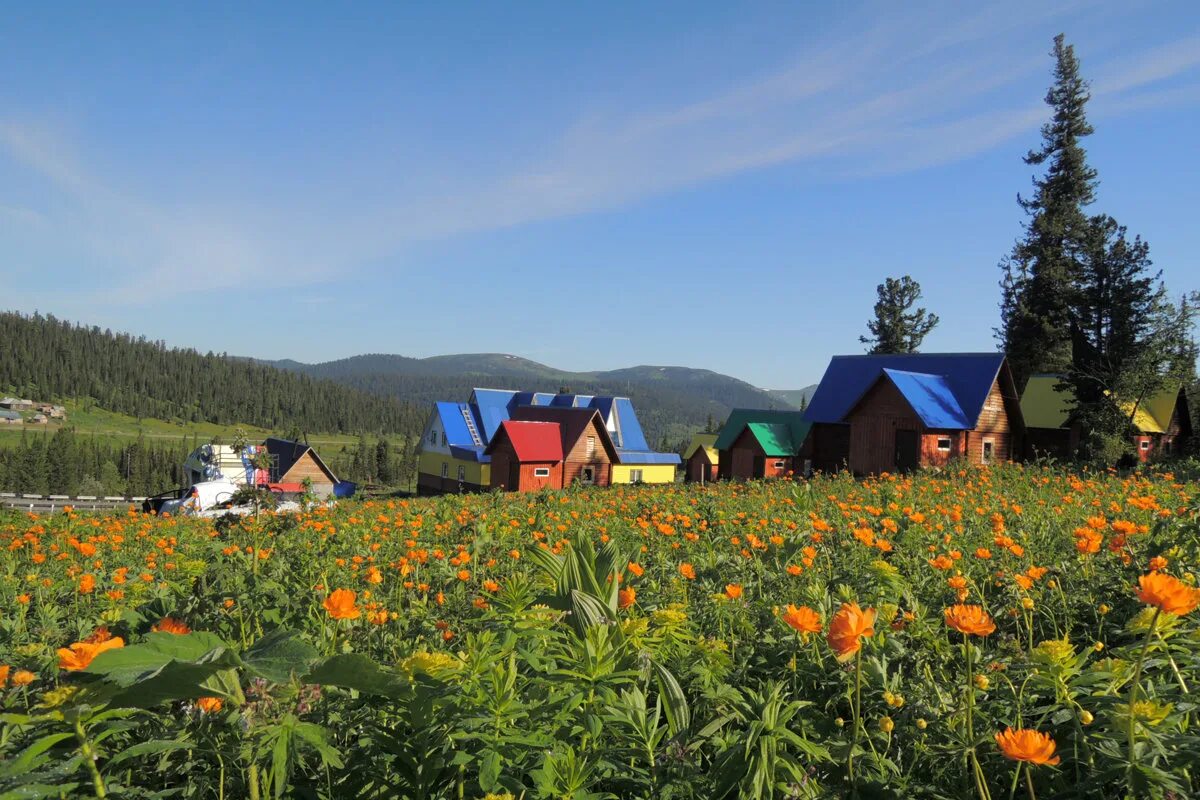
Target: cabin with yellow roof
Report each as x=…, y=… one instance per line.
x=701, y=459
x=1161, y=422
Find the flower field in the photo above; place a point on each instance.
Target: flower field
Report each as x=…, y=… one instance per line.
x=988, y=633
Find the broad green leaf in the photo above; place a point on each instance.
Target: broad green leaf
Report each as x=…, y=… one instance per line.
x=148, y=748
x=279, y=655
x=359, y=672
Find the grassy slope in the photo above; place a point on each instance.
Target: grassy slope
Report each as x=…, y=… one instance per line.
x=93, y=421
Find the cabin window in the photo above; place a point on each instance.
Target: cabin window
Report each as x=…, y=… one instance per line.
x=541, y=472
x=587, y=475
x=1145, y=444
x=443, y=439
x=943, y=443
x=779, y=465
x=445, y=470
x=988, y=449
x=433, y=437
x=635, y=476
x=462, y=474
x=591, y=446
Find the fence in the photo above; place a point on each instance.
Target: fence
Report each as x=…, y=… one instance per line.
x=49, y=503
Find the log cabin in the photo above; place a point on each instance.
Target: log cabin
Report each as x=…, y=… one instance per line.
x=760, y=443
x=293, y=462
x=873, y=414
x=1161, y=423
x=523, y=457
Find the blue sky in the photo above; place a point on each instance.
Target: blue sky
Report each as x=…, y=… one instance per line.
x=591, y=185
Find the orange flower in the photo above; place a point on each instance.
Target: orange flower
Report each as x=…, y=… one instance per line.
x=340, y=604
x=23, y=677
x=81, y=654
x=626, y=597
x=1157, y=563
x=802, y=619
x=4, y=675
x=969, y=620
x=464, y=575
x=687, y=571
x=733, y=591
x=794, y=569
x=1167, y=593
x=87, y=583
x=847, y=629
x=170, y=625
x=210, y=705
x=636, y=568
x=491, y=586
x=1027, y=745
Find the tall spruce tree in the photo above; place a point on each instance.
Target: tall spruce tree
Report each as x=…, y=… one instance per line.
x=897, y=326
x=1041, y=272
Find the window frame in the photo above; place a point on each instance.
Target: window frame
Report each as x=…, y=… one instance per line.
x=541, y=472
x=987, y=451
x=949, y=443
x=445, y=469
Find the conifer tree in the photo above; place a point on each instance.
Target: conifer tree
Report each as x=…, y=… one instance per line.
x=1042, y=270
x=897, y=326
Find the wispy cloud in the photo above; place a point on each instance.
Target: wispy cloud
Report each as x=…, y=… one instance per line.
x=898, y=92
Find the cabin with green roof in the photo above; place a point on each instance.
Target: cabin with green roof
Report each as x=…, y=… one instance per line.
x=758, y=443
x=1161, y=423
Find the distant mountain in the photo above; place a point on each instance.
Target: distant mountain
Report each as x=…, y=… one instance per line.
x=673, y=402
x=794, y=397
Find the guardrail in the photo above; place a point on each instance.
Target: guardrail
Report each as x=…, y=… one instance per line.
x=49, y=503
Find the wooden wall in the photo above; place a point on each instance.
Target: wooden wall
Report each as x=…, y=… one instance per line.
x=873, y=425
x=699, y=468
x=993, y=425
x=307, y=467
x=828, y=446
x=743, y=453
x=503, y=459
x=577, y=458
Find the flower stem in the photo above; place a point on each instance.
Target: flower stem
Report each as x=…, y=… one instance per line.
x=1029, y=781
x=857, y=710
x=1133, y=692
x=89, y=760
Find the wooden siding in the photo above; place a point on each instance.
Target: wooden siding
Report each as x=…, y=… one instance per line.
x=993, y=425
x=307, y=467
x=505, y=464
x=699, y=468
x=873, y=424
x=747, y=460
x=577, y=457
x=828, y=446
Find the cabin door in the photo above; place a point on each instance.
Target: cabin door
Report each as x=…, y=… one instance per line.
x=760, y=467
x=906, y=451
x=514, y=476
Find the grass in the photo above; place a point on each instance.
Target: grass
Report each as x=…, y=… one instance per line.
x=87, y=419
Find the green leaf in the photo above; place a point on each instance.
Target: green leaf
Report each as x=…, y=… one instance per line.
x=489, y=770
x=33, y=756
x=147, y=748
x=359, y=672
x=279, y=655
x=126, y=666
x=37, y=791
x=679, y=714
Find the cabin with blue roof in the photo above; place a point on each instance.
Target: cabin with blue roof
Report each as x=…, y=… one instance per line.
x=453, y=454
x=894, y=413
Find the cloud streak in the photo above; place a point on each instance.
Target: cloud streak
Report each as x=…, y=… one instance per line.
x=885, y=98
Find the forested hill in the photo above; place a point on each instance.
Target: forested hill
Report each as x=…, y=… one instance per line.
x=672, y=402
x=46, y=359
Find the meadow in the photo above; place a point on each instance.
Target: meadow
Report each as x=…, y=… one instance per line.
x=992, y=633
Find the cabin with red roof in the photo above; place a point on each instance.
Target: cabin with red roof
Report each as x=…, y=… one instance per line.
x=550, y=447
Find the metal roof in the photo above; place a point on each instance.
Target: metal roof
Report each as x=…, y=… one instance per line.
x=1044, y=405
x=705, y=440
x=775, y=438
x=647, y=457
x=969, y=377
x=533, y=441
x=931, y=398
x=739, y=418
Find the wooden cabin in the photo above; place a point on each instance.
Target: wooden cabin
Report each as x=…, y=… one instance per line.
x=1161, y=423
x=895, y=413
x=551, y=447
x=292, y=462
x=701, y=459
x=760, y=443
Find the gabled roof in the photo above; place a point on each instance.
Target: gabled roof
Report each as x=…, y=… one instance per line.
x=287, y=453
x=1045, y=406
x=572, y=422
x=930, y=398
x=1042, y=405
x=532, y=441
x=967, y=376
x=775, y=438
x=739, y=418
x=706, y=441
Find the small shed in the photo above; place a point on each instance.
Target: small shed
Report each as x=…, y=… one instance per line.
x=9, y=417
x=898, y=412
x=526, y=456
x=702, y=459
x=761, y=443
x=293, y=462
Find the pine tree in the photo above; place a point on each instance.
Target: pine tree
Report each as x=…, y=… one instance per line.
x=1042, y=270
x=897, y=327
x=383, y=462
